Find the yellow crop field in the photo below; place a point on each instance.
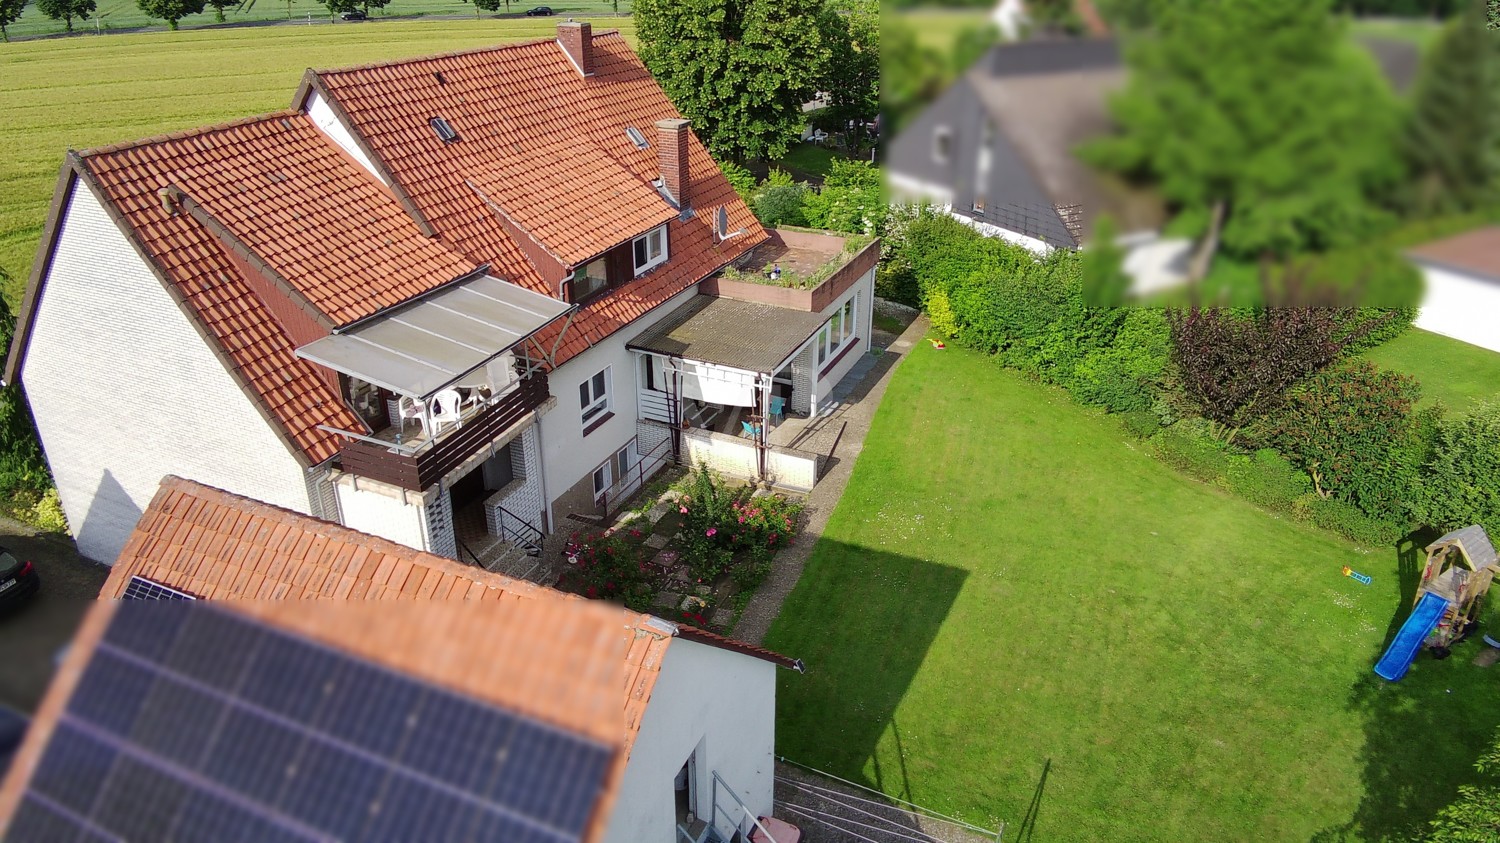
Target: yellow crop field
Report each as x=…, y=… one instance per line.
x=75, y=93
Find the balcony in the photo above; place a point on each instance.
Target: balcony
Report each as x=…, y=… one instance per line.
x=419, y=463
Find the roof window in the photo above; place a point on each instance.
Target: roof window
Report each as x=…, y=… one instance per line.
x=636, y=137
x=443, y=129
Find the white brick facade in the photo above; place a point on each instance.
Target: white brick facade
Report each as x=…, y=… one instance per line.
x=125, y=391
x=523, y=496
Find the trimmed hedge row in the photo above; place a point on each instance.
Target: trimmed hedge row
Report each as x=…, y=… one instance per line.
x=1384, y=470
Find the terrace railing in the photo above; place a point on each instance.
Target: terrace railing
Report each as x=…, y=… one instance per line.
x=417, y=467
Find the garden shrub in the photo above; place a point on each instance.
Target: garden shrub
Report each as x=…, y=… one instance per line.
x=1125, y=375
x=607, y=566
x=1193, y=451
x=1142, y=424
x=1346, y=518
x=852, y=200
x=1341, y=425
x=741, y=179
x=730, y=531
x=779, y=199
x=1268, y=479
x=1459, y=484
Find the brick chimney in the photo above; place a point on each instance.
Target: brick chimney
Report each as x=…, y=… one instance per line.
x=577, y=40
x=672, y=140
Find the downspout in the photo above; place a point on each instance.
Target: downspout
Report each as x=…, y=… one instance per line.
x=541, y=451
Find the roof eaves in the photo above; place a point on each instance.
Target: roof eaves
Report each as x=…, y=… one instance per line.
x=231, y=241
x=312, y=82
x=67, y=176
x=123, y=224
x=713, y=639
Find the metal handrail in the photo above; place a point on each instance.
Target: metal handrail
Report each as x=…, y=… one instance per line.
x=719, y=780
x=637, y=474
x=522, y=539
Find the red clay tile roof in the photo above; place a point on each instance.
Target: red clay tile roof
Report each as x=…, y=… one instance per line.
x=514, y=102
x=217, y=545
x=1474, y=252
x=199, y=271
x=549, y=201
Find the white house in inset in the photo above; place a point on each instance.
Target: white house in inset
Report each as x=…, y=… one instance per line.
x=1462, y=277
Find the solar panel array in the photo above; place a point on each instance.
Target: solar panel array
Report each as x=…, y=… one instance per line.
x=140, y=588
x=193, y=723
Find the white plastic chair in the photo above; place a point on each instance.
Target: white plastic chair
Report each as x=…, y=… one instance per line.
x=408, y=408
x=446, y=407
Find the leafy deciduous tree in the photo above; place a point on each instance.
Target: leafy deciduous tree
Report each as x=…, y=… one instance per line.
x=219, y=6
x=1258, y=118
x=171, y=11
x=10, y=12
x=1459, y=487
x=66, y=10
x=1452, y=139
x=852, y=77
x=739, y=69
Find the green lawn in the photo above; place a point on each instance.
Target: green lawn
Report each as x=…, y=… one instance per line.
x=90, y=91
x=127, y=14
x=939, y=28
x=1453, y=372
x=1009, y=580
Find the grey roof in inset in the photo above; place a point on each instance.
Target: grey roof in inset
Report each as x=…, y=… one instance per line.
x=742, y=335
x=431, y=343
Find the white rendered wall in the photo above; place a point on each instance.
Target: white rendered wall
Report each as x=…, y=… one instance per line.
x=381, y=510
x=863, y=292
x=125, y=391
x=567, y=455
x=323, y=117
x=727, y=703
x=1462, y=307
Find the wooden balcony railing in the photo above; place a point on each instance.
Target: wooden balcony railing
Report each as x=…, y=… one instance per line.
x=417, y=469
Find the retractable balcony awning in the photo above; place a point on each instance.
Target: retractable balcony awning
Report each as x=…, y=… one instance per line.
x=436, y=341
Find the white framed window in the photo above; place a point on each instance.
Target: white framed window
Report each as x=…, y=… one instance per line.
x=837, y=331
x=589, y=279
x=650, y=250
x=593, y=397
x=942, y=144
x=614, y=470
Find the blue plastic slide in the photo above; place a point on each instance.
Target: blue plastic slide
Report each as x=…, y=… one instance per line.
x=1394, y=664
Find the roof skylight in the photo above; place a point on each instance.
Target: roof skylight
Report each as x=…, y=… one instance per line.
x=443, y=129
x=636, y=137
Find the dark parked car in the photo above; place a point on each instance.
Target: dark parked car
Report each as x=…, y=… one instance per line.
x=539, y=11
x=354, y=15
x=12, y=729
x=18, y=580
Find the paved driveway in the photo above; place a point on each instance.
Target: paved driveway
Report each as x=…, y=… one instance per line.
x=32, y=635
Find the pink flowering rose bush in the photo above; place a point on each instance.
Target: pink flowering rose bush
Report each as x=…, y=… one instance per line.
x=728, y=531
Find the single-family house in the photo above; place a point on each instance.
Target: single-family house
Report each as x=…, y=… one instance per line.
x=254, y=673
x=997, y=149
x=1461, y=275
x=406, y=304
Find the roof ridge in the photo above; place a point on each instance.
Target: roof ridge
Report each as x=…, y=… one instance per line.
x=184, y=134
x=492, y=48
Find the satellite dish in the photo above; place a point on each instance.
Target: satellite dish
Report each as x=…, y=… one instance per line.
x=723, y=223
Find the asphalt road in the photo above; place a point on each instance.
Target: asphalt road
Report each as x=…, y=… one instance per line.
x=31, y=636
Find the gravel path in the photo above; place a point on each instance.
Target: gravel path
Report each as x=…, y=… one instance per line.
x=842, y=433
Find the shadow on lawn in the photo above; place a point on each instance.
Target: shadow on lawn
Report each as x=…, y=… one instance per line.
x=862, y=620
x=1422, y=734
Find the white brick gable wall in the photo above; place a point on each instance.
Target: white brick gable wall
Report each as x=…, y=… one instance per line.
x=125, y=391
